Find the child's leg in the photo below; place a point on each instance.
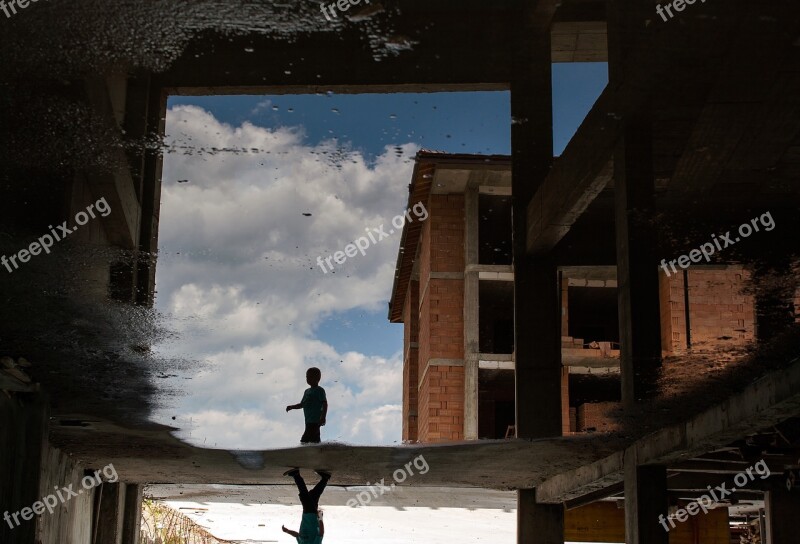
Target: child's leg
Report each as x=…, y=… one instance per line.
x=316, y=493
x=311, y=435
x=301, y=483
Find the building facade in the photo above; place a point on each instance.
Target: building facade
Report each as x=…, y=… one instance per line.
x=454, y=293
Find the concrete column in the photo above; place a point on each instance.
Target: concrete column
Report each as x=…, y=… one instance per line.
x=537, y=323
x=471, y=330
x=22, y=439
x=132, y=520
x=645, y=500
x=637, y=265
x=151, y=200
x=782, y=509
x=538, y=523
x=411, y=360
x=110, y=513
x=774, y=296
x=538, y=349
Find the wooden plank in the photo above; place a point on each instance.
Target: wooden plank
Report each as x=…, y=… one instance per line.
x=597, y=522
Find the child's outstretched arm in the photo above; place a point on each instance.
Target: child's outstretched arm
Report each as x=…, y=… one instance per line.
x=294, y=407
x=289, y=531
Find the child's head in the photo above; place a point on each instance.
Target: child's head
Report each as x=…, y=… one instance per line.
x=313, y=376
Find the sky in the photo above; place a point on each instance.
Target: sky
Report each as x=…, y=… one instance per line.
x=255, y=190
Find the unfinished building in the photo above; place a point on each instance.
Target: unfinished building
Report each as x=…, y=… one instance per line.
x=697, y=133
x=454, y=293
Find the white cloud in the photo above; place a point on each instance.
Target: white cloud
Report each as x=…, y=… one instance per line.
x=237, y=274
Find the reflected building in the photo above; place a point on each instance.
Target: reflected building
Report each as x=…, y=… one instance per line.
x=454, y=293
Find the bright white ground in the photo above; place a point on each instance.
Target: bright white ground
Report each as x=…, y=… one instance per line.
x=254, y=514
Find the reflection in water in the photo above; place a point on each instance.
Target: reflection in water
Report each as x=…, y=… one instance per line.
x=312, y=528
x=252, y=196
x=314, y=406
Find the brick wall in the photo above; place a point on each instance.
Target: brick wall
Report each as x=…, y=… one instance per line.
x=566, y=425
x=441, y=321
x=672, y=312
x=446, y=231
x=441, y=404
x=719, y=314
x=445, y=318
x=797, y=305
x=597, y=416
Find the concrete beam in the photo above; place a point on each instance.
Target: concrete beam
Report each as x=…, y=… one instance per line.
x=117, y=186
x=768, y=401
x=579, y=41
x=585, y=167
x=469, y=53
x=577, y=177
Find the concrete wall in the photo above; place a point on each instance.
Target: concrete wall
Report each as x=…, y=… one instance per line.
x=598, y=416
x=34, y=474
x=72, y=521
x=30, y=469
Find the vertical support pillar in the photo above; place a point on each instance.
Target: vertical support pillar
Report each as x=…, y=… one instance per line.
x=21, y=449
x=782, y=509
x=110, y=508
x=132, y=521
x=538, y=348
x=411, y=361
x=776, y=284
x=646, y=499
x=151, y=200
x=637, y=266
x=537, y=323
x=538, y=523
x=471, y=298
x=564, y=304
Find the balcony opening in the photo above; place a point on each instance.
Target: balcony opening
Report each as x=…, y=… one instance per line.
x=496, y=317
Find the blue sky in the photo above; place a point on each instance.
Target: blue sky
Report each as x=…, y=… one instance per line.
x=256, y=189
x=454, y=122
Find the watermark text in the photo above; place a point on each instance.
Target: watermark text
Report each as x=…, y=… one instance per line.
x=61, y=496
